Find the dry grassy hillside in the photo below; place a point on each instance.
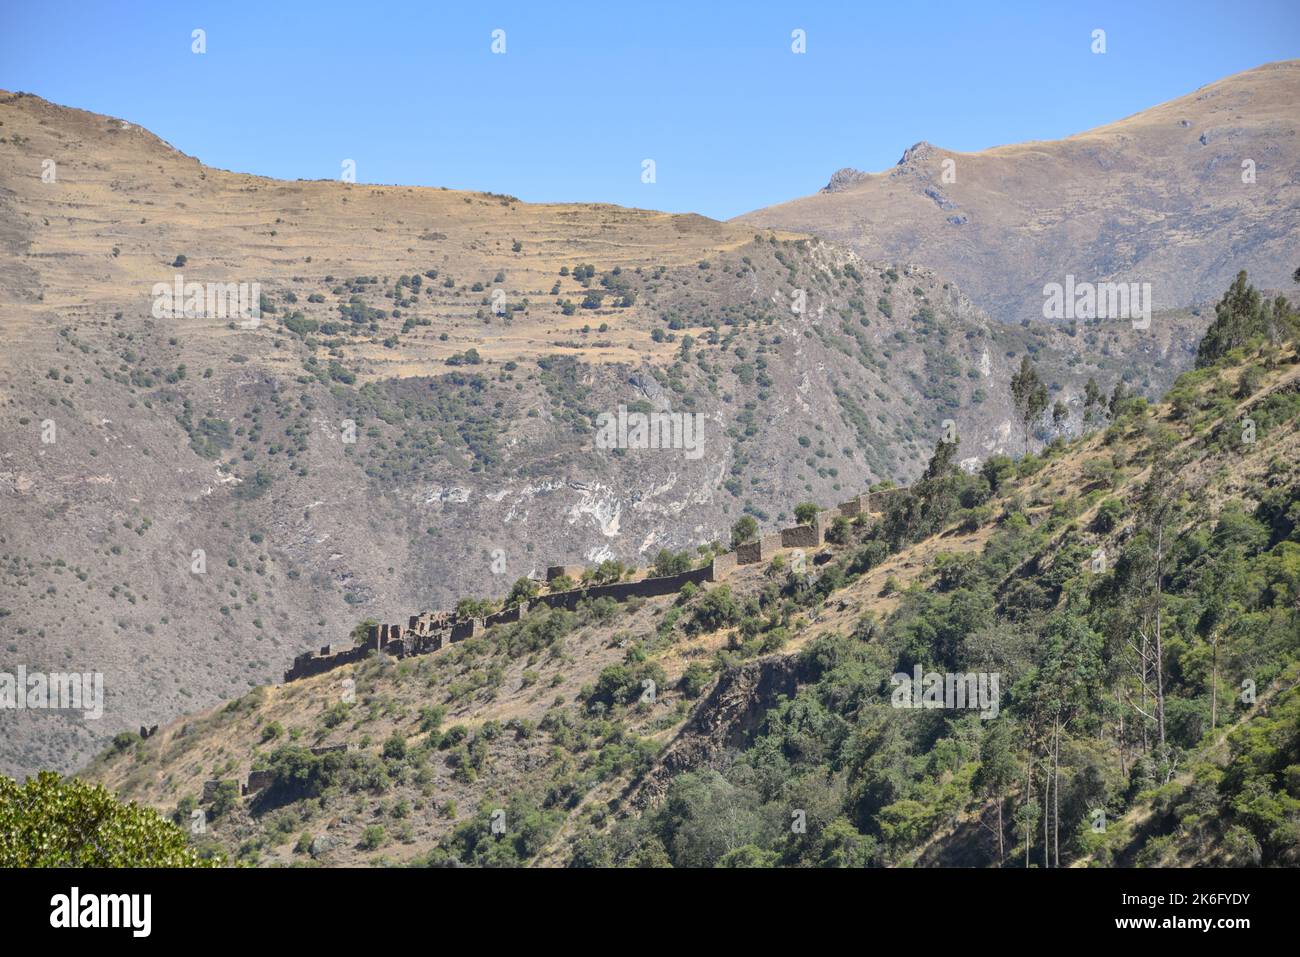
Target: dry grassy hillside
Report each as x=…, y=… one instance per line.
x=185, y=508
x=123, y=204
x=1157, y=197
x=541, y=721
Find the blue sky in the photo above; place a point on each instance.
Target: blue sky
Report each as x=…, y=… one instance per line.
x=711, y=91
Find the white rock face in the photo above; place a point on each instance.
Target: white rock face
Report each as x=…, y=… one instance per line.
x=441, y=496
x=1000, y=437
x=597, y=555
x=601, y=504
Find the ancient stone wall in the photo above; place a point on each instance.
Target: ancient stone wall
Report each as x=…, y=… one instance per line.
x=431, y=631
x=379, y=636
x=760, y=550
x=621, y=591
x=423, y=644
x=879, y=502
x=261, y=780
x=801, y=536
x=568, y=571
x=466, y=628
x=853, y=507
x=722, y=564
x=507, y=615
x=258, y=781
x=309, y=664
x=430, y=622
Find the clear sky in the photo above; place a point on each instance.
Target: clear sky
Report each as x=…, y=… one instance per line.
x=711, y=91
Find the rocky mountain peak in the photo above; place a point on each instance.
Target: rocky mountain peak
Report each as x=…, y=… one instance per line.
x=843, y=178
x=916, y=152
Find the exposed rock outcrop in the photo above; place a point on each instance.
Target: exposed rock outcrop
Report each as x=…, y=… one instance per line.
x=842, y=179
x=723, y=722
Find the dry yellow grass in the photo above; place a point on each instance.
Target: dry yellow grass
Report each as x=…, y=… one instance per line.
x=96, y=240
x=1153, y=197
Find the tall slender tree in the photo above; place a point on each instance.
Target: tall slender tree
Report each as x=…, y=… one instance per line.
x=997, y=772
x=1029, y=396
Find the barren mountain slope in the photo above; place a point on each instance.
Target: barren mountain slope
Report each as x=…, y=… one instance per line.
x=1157, y=197
x=188, y=502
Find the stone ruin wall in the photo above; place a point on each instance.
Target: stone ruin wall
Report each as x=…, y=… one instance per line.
x=431, y=631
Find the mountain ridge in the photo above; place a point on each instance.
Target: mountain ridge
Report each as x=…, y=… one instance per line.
x=1144, y=198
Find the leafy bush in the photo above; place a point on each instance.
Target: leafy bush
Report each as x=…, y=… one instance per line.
x=1109, y=514
x=49, y=821
x=743, y=530
x=671, y=563
x=717, y=609
x=695, y=679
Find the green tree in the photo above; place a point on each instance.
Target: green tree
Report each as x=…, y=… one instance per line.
x=226, y=798
x=671, y=563
x=715, y=610
x=1029, y=396
x=998, y=771
x=1026, y=817
x=610, y=570
x=50, y=821
x=474, y=607
x=362, y=631
x=695, y=679
x=1091, y=393
x=395, y=747
x=1094, y=402
x=942, y=462
x=747, y=855
x=744, y=530
x=997, y=470
x=1060, y=413
x=1148, y=553
x=1067, y=682
x=806, y=512
x=843, y=846
x=523, y=589
x=1240, y=316
x=1117, y=396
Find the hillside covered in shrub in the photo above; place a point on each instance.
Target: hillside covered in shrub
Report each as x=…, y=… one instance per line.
x=1134, y=592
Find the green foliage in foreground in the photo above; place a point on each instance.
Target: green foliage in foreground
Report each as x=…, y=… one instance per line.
x=50, y=821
